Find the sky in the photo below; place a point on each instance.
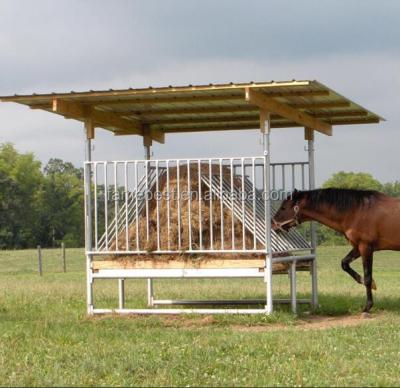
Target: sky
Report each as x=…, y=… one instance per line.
x=351, y=46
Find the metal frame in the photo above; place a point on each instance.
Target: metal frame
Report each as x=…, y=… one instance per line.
x=267, y=275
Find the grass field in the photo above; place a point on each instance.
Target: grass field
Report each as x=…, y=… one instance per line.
x=46, y=339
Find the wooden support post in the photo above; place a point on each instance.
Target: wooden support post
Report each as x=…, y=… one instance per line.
x=147, y=139
x=39, y=248
x=89, y=128
x=308, y=134
x=63, y=256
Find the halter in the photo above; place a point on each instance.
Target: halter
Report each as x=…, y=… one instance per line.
x=280, y=225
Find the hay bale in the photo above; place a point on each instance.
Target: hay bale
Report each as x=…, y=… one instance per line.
x=205, y=215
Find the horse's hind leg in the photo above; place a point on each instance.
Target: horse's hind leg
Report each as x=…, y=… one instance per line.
x=351, y=256
x=367, y=255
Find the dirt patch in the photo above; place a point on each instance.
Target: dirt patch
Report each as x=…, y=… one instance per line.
x=314, y=322
x=317, y=322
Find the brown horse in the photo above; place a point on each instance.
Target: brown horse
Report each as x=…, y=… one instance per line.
x=369, y=220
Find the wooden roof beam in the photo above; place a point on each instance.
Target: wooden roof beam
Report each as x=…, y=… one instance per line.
x=229, y=127
x=271, y=105
x=74, y=110
x=204, y=98
x=227, y=109
x=78, y=111
x=155, y=134
x=252, y=116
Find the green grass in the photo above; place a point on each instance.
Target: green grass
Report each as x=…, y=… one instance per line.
x=46, y=338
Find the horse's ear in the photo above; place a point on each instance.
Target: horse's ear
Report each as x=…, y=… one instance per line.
x=292, y=194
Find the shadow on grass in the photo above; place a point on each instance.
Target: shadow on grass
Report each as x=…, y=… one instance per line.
x=344, y=304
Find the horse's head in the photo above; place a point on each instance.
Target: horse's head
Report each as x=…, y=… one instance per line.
x=288, y=215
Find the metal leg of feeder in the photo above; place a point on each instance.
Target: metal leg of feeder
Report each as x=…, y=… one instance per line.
x=147, y=155
x=293, y=291
x=150, y=297
x=314, y=285
x=121, y=293
x=267, y=189
x=88, y=215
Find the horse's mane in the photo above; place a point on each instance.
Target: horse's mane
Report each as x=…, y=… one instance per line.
x=341, y=199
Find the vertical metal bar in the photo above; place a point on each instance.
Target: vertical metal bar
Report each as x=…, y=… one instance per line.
x=302, y=178
x=126, y=207
x=168, y=208
x=243, y=209
x=267, y=203
x=221, y=202
x=40, y=269
x=121, y=293
x=64, y=257
x=147, y=200
x=137, y=206
x=116, y=195
x=189, y=204
x=158, y=207
x=211, y=204
x=253, y=176
x=233, y=204
x=293, y=287
x=293, y=177
x=311, y=169
x=200, y=208
x=106, y=202
x=283, y=178
x=88, y=216
x=96, y=236
x=150, y=297
x=178, y=175
x=148, y=156
x=273, y=177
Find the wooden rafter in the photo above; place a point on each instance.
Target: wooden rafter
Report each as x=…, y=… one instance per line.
x=194, y=110
x=71, y=109
x=270, y=104
x=321, y=105
x=153, y=133
x=223, y=109
x=202, y=98
x=121, y=126
x=229, y=127
x=251, y=116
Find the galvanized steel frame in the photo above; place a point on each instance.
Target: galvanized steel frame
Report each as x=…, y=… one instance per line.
x=150, y=274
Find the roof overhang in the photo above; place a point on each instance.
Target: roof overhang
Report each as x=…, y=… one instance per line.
x=153, y=112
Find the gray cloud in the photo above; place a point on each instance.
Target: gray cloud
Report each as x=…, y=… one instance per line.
x=80, y=45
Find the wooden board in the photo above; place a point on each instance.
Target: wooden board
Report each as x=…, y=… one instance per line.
x=178, y=264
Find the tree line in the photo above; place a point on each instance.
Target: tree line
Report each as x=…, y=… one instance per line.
x=43, y=205
x=39, y=205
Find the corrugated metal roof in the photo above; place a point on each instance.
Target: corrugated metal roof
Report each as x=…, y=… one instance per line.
x=206, y=107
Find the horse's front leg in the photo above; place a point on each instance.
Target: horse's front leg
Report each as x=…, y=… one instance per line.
x=367, y=257
x=351, y=256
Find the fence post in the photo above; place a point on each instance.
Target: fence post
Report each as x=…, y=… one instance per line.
x=40, y=260
x=64, y=262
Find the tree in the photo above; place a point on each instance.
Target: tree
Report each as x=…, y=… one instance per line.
x=62, y=204
x=353, y=180
x=392, y=188
x=21, y=179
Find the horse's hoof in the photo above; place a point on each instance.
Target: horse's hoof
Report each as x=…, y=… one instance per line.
x=365, y=315
x=373, y=285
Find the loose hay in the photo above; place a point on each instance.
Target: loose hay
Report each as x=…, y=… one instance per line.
x=207, y=222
